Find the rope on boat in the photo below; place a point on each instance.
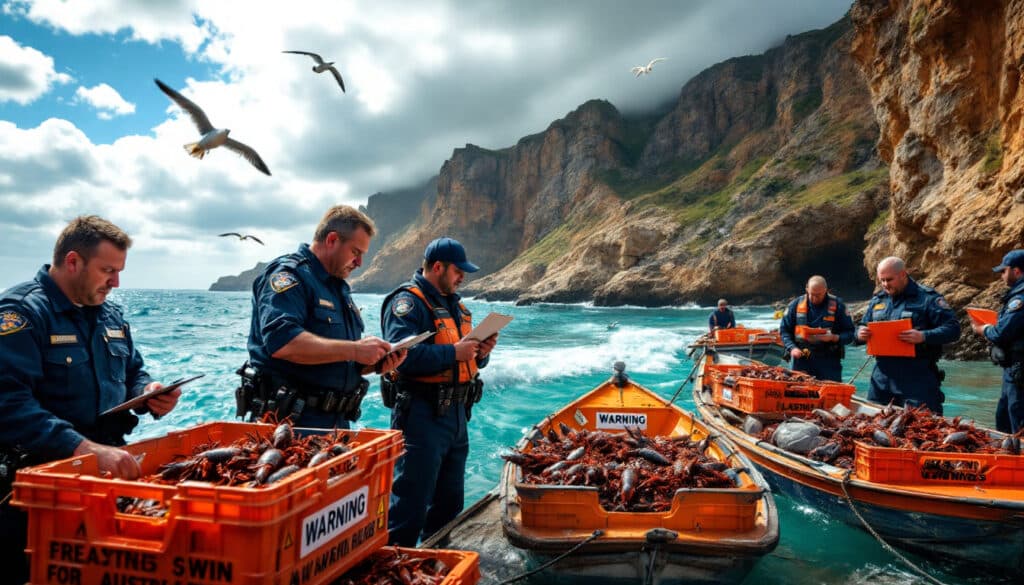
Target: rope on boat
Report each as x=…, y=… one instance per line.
x=878, y=537
x=870, y=357
x=689, y=377
x=597, y=533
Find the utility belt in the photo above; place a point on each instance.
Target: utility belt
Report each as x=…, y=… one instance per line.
x=11, y=460
x=1012, y=360
x=263, y=392
x=397, y=393
x=837, y=350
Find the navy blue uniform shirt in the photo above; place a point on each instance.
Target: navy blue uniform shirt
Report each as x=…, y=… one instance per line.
x=721, y=319
x=404, y=314
x=60, y=366
x=842, y=326
x=295, y=293
x=928, y=312
x=1009, y=329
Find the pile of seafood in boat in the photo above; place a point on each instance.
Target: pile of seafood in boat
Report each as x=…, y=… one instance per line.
x=395, y=567
x=253, y=461
x=632, y=472
x=762, y=372
x=830, y=436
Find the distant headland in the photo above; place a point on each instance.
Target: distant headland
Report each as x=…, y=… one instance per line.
x=241, y=282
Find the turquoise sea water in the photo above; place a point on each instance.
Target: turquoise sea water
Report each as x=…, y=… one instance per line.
x=548, y=355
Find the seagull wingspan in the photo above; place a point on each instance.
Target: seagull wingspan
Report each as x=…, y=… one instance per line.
x=338, y=77
x=248, y=154
x=653, y=61
x=317, y=58
x=198, y=116
x=255, y=239
x=229, y=234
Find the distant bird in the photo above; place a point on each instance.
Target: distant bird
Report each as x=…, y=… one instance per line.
x=645, y=69
x=613, y=325
x=242, y=238
x=212, y=137
x=322, y=66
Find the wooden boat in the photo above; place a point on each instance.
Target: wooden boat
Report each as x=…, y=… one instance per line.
x=754, y=344
x=709, y=535
x=976, y=523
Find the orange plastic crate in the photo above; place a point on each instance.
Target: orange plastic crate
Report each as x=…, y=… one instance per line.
x=463, y=565
x=738, y=335
x=309, y=527
x=907, y=466
x=754, y=395
x=578, y=508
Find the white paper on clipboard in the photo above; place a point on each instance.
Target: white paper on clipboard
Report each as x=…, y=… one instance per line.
x=411, y=341
x=491, y=324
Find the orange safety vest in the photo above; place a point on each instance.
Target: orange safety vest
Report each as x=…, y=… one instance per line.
x=447, y=334
x=801, y=311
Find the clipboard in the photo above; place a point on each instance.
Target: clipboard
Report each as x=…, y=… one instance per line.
x=143, y=398
x=805, y=331
x=982, y=316
x=884, y=341
x=410, y=342
x=491, y=324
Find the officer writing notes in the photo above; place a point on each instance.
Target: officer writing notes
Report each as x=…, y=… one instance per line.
x=66, y=355
x=910, y=381
x=820, y=354
x=306, y=349
x=1007, y=343
x=722, y=318
x=432, y=393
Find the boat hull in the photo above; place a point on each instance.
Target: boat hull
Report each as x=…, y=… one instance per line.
x=980, y=527
x=631, y=547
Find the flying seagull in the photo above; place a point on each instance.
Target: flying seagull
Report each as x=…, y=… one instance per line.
x=322, y=66
x=212, y=137
x=242, y=238
x=645, y=69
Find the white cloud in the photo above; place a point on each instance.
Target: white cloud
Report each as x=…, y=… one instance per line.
x=145, y=21
x=106, y=100
x=25, y=73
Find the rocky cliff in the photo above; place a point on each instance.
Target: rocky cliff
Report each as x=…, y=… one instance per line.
x=945, y=81
x=760, y=173
x=242, y=281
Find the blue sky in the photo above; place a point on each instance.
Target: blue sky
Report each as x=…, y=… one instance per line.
x=83, y=129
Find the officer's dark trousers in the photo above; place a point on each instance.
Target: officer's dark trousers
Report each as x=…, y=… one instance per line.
x=1010, y=410
x=905, y=382
x=430, y=477
x=13, y=538
x=822, y=368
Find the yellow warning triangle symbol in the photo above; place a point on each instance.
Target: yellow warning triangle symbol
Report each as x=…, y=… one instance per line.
x=288, y=539
x=80, y=533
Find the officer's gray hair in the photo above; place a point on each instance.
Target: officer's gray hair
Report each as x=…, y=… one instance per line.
x=894, y=262
x=84, y=234
x=816, y=279
x=344, y=220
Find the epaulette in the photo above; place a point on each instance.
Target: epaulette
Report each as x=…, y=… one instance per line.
x=18, y=292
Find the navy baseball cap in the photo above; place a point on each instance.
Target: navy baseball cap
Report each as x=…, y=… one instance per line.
x=1013, y=258
x=448, y=250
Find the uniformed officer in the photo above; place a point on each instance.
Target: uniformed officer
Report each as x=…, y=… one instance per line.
x=67, y=355
x=305, y=339
x=820, y=355
x=1007, y=339
x=432, y=392
x=722, y=318
x=910, y=381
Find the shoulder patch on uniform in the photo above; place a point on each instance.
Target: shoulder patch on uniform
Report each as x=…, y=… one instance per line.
x=401, y=307
x=12, y=322
x=1014, y=305
x=879, y=306
x=282, y=281
x=941, y=302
